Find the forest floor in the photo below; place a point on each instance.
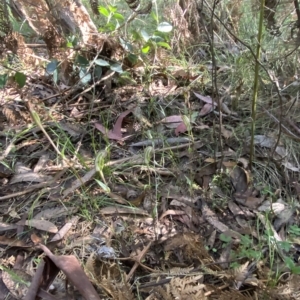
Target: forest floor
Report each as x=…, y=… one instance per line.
x=144, y=188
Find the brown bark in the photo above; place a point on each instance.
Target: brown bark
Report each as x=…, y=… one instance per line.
x=55, y=19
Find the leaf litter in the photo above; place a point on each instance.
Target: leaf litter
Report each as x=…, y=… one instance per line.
x=181, y=218
x=183, y=247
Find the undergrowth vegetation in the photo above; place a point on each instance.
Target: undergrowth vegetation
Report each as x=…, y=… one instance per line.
x=150, y=150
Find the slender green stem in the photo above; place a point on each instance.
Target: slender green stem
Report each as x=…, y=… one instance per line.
x=256, y=82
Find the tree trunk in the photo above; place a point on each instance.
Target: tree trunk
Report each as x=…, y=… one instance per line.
x=53, y=20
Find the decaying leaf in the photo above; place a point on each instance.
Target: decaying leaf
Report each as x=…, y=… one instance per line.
x=172, y=119
x=115, y=133
x=54, y=213
x=212, y=219
x=172, y=213
x=40, y=224
x=240, y=179
x=253, y=202
x=30, y=177
x=275, y=207
x=123, y=210
x=181, y=128
x=72, y=269
x=6, y=226
x=226, y=133
x=206, y=99
x=206, y=109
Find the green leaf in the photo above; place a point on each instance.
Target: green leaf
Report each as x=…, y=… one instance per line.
x=145, y=35
x=52, y=66
x=3, y=80
x=286, y=246
x=136, y=35
x=289, y=262
x=116, y=67
x=296, y=270
x=188, y=180
x=84, y=78
x=75, y=41
x=234, y=265
x=154, y=16
x=224, y=238
x=146, y=49
x=108, y=27
x=156, y=38
x=72, y=41
x=103, y=186
x=20, y=79
x=132, y=58
x=103, y=11
x=246, y=241
x=126, y=78
x=112, y=8
x=55, y=76
x=102, y=62
x=127, y=46
x=164, y=27
x=293, y=229
x=194, y=116
x=98, y=72
x=119, y=17
x=164, y=44
x=82, y=61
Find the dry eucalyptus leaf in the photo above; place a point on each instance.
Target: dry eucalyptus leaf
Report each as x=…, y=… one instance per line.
x=70, y=266
x=229, y=164
x=30, y=177
x=240, y=179
x=264, y=141
x=284, y=217
x=40, y=224
x=181, y=128
x=206, y=109
x=116, y=132
x=172, y=119
x=5, y=226
x=226, y=133
x=234, y=208
x=21, y=168
x=253, y=202
x=73, y=129
x=109, y=210
x=290, y=166
x=276, y=207
x=211, y=240
x=41, y=163
x=54, y=213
